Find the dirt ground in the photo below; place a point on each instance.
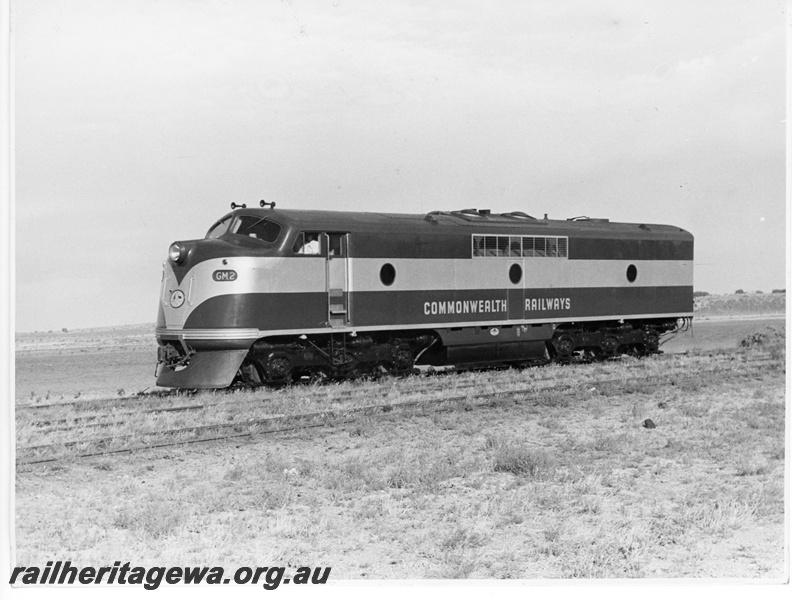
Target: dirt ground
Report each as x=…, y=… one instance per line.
x=618, y=503
x=546, y=485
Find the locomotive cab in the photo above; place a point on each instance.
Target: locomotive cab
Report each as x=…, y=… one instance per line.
x=256, y=273
x=197, y=348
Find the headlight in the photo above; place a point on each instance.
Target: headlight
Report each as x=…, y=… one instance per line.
x=177, y=252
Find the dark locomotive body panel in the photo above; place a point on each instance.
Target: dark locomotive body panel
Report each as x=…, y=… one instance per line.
x=460, y=287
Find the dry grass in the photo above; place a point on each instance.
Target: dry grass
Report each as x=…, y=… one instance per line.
x=560, y=481
x=113, y=425
x=517, y=457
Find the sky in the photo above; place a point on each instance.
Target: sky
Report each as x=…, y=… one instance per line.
x=137, y=122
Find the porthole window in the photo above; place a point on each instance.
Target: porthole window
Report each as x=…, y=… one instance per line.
x=515, y=273
x=387, y=274
x=632, y=273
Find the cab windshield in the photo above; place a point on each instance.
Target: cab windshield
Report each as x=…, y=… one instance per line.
x=259, y=228
x=219, y=228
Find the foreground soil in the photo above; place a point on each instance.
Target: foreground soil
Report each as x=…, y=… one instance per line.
x=544, y=485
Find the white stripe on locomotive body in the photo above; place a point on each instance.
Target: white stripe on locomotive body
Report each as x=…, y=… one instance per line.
x=486, y=274
x=307, y=274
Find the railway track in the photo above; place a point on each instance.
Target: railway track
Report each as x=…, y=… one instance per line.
x=57, y=451
x=417, y=386
x=109, y=409
x=426, y=376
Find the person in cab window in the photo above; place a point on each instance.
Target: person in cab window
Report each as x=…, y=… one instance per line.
x=311, y=245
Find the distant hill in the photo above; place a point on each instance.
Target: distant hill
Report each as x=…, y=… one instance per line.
x=119, y=336
x=739, y=305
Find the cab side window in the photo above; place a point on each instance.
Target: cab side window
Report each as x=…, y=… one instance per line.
x=336, y=246
x=307, y=242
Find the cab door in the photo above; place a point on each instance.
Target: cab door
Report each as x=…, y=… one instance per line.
x=338, y=309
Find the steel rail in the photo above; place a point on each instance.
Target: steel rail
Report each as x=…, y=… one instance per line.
x=156, y=395
x=329, y=416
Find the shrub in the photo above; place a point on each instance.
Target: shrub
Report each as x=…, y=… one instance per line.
x=151, y=517
x=740, y=291
x=768, y=336
x=700, y=294
x=782, y=291
x=463, y=537
x=512, y=458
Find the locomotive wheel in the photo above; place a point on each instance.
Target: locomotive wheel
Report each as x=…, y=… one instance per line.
x=652, y=342
x=278, y=369
x=610, y=345
x=403, y=361
x=565, y=346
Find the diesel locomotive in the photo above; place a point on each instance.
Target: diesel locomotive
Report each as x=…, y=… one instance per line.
x=270, y=296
